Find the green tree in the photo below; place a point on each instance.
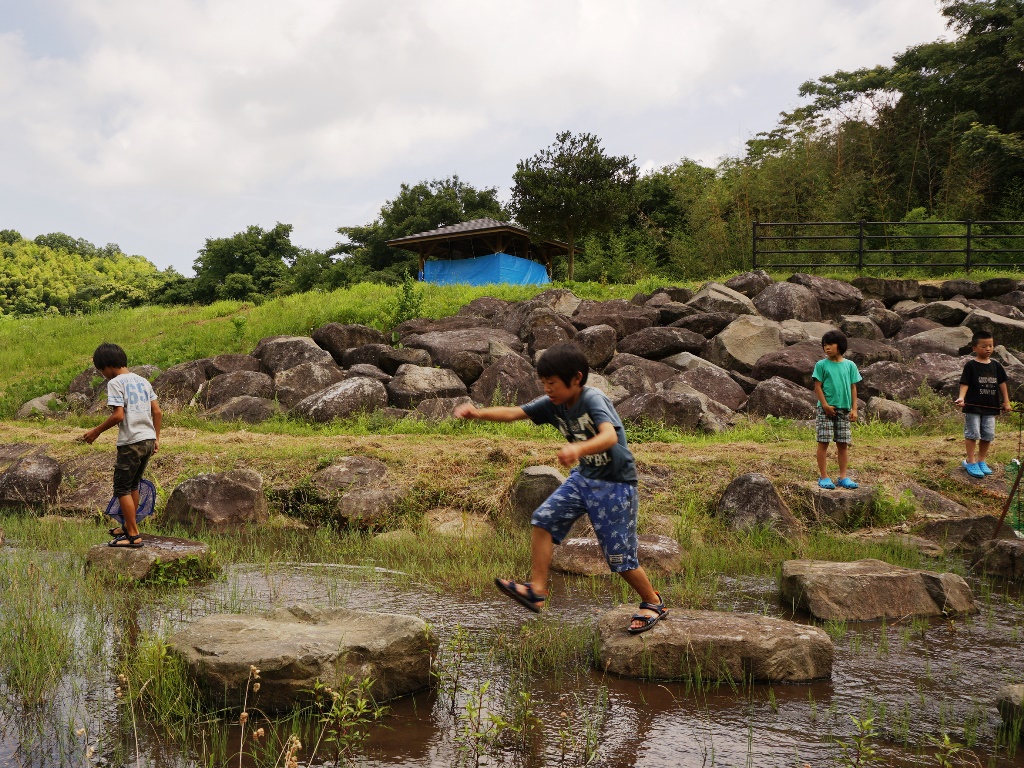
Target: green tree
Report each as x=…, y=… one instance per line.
x=418, y=208
x=572, y=189
x=248, y=265
x=9, y=236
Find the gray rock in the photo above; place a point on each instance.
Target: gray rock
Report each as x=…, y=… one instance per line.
x=445, y=346
x=655, y=371
x=871, y=590
x=941, y=372
x=530, y=489
x=562, y=300
x=781, y=397
x=509, y=381
x=624, y=317
x=218, y=365
x=1005, y=330
x=707, y=324
x=440, y=408
x=341, y=400
x=544, y=327
x=413, y=383
x=888, y=291
x=794, y=363
x=658, y=555
x=894, y=381
x=960, y=287
x=345, y=474
x=834, y=297
x=180, y=383
x=89, y=382
x=750, y=283
x=948, y=313
x=656, y=343
x=336, y=338
x=286, y=352
x=370, y=372
x=30, y=481
x=678, y=408
x=222, y=388
x=744, y=342
x=860, y=327
x=457, y=524
x=468, y=366
x=367, y=354
x=295, y=648
x=632, y=379
x=996, y=308
x=888, y=322
x=797, y=331
x=597, y=343
x=684, y=361
x=915, y=326
x=1010, y=702
x=368, y=508
x=842, y=507
x=1003, y=558
x=712, y=381
x=252, y=410
x=964, y=534
x=44, y=405
x=421, y=325
x=751, y=501
x=998, y=286
x=1014, y=298
x=614, y=392
x=787, y=301
x=391, y=359
x=864, y=352
x=711, y=646
x=672, y=312
x=715, y=297
x=889, y=412
x=160, y=556
x=224, y=501
x=946, y=341
x=296, y=384
x=485, y=307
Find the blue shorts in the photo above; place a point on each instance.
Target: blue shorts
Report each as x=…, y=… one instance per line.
x=980, y=426
x=612, y=508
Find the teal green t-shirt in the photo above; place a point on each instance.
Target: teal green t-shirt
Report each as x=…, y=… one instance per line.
x=836, y=380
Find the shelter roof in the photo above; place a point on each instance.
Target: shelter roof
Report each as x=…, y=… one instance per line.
x=477, y=238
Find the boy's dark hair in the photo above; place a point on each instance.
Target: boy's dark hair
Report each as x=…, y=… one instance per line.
x=109, y=356
x=981, y=336
x=563, y=361
x=836, y=337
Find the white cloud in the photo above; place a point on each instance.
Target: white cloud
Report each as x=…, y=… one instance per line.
x=212, y=102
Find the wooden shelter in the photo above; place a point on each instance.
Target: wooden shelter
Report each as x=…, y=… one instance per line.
x=480, y=237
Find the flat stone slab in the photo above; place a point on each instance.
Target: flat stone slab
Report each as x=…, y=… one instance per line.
x=295, y=647
x=992, y=485
x=658, y=554
x=871, y=590
x=1000, y=557
x=160, y=556
x=845, y=508
x=715, y=646
x=963, y=534
x=926, y=547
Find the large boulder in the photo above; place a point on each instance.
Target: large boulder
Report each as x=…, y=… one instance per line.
x=391, y=358
x=745, y=341
x=1010, y=703
x=30, y=481
x=218, y=365
x=941, y=372
x=915, y=326
x=964, y=534
x=864, y=352
x=795, y=363
x=961, y=287
x=459, y=322
x=509, y=381
x=714, y=646
x=562, y=300
x=895, y=381
x=223, y=501
x=440, y=408
x=530, y=489
x=998, y=286
x=252, y=410
x=888, y=291
x=368, y=509
x=712, y=381
x=597, y=343
x=180, y=383
x=1006, y=331
x=672, y=311
x=890, y=412
x=298, y=647
x=843, y=507
x=654, y=370
x=413, y=383
x=445, y=346
x=948, y=313
x=787, y=301
x=632, y=379
x=834, y=297
x=160, y=557
x=946, y=341
x=367, y=354
x=888, y=322
x=871, y=590
x=797, y=331
x=781, y=397
x=1003, y=558
x=623, y=316
x=89, y=382
x=679, y=408
x=751, y=501
x=345, y=474
x=715, y=297
x=544, y=327
x=222, y=388
x=286, y=352
x=346, y=398
x=44, y=405
x=656, y=343
x=296, y=384
x=336, y=338
x=658, y=555
x=750, y=283
x=707, y=324
x=860, y=327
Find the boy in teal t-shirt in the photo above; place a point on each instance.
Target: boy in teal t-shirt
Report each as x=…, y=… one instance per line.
x=835, y=386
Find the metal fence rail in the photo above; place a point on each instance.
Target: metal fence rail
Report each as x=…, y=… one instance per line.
x=890, y=244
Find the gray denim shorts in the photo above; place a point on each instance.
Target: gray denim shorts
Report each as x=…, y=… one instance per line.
x=980, y=426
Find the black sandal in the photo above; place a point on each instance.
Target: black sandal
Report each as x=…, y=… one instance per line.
x=115, y=532
x=649, y=621
x=124, y=541
x=530, y=600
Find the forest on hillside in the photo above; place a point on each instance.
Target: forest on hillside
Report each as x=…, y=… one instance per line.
x=938, y=135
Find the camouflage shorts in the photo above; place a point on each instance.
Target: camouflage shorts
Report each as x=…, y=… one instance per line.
x=131, y=463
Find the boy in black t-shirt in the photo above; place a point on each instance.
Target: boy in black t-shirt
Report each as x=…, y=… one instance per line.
x=602, y=486
x=983, y=394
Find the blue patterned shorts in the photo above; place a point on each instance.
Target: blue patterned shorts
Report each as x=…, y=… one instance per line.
x=612, y=508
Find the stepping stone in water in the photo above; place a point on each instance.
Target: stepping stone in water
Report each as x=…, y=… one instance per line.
x=160, y=557
x=296, y=646
x=870, y=590
x=1001, y=557
x=716, y=646
x=1010, y=701
x=657, y=554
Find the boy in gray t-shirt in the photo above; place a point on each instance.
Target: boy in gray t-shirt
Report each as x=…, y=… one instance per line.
x=137, y=416
x=602, y=487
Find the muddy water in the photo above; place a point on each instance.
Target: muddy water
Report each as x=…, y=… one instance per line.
x=915, y=679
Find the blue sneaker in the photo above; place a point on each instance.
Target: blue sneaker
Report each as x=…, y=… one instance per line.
x=973, y=470
x=827, y=484
x=985, y=468
x=845, y=482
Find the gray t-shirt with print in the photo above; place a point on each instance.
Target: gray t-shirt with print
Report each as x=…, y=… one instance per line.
x=134, y=394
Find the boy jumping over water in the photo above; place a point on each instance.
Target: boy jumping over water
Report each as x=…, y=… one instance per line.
x=602, y=486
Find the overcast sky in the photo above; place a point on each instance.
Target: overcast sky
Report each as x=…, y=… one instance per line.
x=159, y=124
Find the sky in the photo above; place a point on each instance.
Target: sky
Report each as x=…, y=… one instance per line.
x=156, y=125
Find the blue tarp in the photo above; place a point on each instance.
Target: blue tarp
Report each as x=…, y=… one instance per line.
x=486, y=270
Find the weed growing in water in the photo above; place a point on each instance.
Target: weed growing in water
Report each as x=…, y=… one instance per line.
x=860, y=749
x=349, y=714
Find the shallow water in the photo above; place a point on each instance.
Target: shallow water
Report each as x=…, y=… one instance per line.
x=915, y=679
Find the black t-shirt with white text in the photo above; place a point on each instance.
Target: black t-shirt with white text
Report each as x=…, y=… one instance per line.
x=982, y=380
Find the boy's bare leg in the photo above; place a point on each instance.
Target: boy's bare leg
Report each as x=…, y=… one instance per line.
x=128, y=507
x=637, y=579
x=969, y=449
x=843, y=449
x=983, y=449
x=822, y=458
x=542, y=547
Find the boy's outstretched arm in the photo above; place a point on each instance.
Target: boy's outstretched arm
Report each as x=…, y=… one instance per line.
x=116, y=417
x=496, y=413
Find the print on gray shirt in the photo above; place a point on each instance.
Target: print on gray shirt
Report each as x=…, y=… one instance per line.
x=134, y=394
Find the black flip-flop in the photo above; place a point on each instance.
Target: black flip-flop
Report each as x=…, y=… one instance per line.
x=649, y=621
x=531, y=600
x=124, y=541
